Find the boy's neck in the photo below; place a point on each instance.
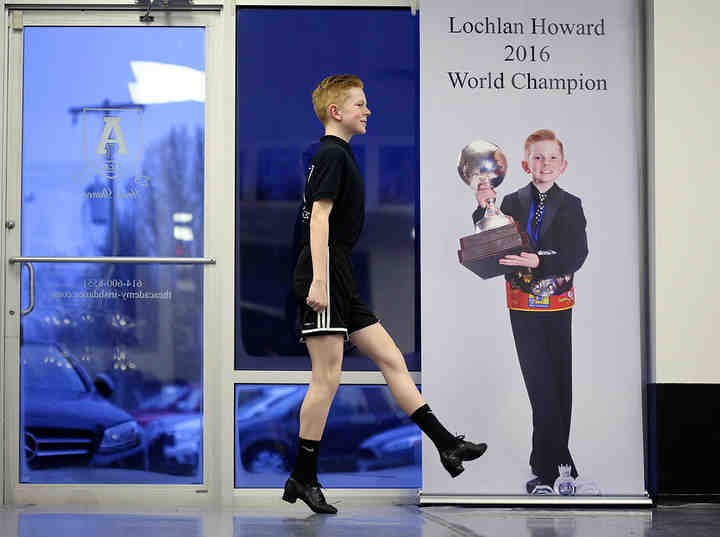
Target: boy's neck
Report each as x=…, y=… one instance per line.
x=543, y=187
x=336, y=130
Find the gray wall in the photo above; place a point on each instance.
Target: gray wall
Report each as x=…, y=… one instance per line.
x=684, y=189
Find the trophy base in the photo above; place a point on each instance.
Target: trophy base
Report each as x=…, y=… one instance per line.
x=481, y=251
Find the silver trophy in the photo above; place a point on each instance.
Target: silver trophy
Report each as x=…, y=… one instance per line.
x=482, y=162
x=565, y=484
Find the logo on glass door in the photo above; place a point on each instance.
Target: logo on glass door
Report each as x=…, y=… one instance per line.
x=113, y=148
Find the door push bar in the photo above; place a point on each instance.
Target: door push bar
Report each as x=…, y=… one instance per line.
x=132, y=260
x=27, y=261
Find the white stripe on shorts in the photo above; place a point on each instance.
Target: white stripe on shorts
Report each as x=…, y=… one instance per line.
x=323, y=317
x=327, y=287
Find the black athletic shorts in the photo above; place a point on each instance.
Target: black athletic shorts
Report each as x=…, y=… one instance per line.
x=346, y=312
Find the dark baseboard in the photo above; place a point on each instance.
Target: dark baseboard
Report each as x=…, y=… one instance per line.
x=682, y=499
x=684, y=442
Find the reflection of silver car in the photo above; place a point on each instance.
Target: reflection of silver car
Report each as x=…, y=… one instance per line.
x=183, y=447
x=172, y=419
x=267, y=426
x=396, y=447
x=175, y=443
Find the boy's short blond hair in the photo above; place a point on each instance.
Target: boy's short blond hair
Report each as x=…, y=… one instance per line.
x=541, y=136
x=331, y=91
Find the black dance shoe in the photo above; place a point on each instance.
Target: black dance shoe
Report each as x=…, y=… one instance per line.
x=453, y=458
x=310, y=494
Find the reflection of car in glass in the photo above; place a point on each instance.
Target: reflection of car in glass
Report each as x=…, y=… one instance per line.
x=175, y=444
x=174, y=428
x=170, y=400
x=389, y=449
x=68, y=420
x=267, y=426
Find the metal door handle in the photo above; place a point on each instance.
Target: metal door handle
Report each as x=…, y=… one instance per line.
x=31, y=271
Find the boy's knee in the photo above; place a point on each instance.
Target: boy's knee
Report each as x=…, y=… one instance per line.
x=330, y=379
x=390, y=357
x=334, y=378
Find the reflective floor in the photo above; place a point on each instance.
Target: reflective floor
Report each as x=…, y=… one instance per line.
x=360, y=519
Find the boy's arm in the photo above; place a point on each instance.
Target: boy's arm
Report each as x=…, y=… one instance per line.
x=510, y=206
x=573, y=250
x=317, y=297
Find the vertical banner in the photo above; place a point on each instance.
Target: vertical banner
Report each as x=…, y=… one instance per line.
x=543, y=363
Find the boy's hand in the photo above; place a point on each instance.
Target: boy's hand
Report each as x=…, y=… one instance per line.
x=484, y=193
x=525, y=259
x=317, y=296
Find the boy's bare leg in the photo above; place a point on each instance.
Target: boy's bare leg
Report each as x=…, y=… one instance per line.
x=326, y=353
x=374, y=341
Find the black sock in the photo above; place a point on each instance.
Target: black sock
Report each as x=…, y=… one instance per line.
x=306, y=465
x=430, y=425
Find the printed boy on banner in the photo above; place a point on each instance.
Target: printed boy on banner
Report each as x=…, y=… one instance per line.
x=540, y=297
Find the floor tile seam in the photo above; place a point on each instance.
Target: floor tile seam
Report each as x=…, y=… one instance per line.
x=457, y=529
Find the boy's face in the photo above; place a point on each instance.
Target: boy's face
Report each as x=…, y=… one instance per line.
x=353, y=112
x=545, y=162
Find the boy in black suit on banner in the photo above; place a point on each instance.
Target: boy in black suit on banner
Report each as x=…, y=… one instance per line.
x=540, y=297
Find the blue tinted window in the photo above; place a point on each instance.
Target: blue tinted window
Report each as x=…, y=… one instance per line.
x=112, y=165
x=277, y=134
x=277, y=176
x=369, y=442
x=396, y=165
x=50, y=369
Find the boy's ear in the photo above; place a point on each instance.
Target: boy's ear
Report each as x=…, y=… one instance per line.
x=525, y=166
x=334, y=112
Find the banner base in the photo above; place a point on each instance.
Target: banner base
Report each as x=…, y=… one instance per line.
x=531, y=501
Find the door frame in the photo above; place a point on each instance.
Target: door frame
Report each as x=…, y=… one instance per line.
x=218, y=195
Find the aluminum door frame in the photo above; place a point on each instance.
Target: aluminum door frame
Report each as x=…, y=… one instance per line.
x=208, y=491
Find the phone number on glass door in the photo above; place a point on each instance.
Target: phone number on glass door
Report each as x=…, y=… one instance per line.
x=116, y=284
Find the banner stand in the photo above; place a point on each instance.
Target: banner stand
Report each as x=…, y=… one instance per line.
x=540, y=356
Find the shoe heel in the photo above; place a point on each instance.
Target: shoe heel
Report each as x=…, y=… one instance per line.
x=289, y=495
x=454, y=471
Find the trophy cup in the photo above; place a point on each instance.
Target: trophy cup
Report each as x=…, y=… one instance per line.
x=497, y=235
x=565, y=484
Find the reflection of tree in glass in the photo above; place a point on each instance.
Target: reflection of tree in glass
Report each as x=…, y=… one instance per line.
x=169, y=223
x=174, y=167
x=136, y=341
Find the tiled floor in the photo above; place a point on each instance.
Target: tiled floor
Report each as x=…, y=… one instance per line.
x=361, y=520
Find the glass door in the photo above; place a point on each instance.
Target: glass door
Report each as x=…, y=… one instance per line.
x=109, y=323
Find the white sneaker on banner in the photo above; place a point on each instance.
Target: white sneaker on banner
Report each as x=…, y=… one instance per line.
x=585, y=487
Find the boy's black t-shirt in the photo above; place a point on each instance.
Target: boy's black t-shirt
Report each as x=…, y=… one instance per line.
x=334, y=174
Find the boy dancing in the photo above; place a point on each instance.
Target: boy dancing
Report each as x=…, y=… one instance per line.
x=331, y=310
